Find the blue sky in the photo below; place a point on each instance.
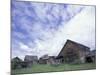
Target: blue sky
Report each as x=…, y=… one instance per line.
x=43, y=28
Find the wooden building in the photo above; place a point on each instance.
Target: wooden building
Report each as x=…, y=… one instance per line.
x=45, y=59
x=91, y=57
x=31, y=59
x=16, y=63
x=51, y=60
x=73, y=52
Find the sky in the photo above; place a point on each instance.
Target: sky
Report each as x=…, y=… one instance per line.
x=43, y=28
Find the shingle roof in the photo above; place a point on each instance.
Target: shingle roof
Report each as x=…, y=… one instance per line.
x=75, y=43
x=30, y=58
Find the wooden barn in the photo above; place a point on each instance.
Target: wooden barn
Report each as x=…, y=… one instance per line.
x=73, y=52
x=91, y=57
x=29, y=58
x=45, y=59
x=16, y=63
x=51, y=60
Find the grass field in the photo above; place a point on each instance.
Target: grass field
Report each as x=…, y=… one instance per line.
x=50, y=68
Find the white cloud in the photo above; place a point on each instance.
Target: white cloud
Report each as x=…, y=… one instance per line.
x=80, y=29
x=23, y=46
